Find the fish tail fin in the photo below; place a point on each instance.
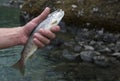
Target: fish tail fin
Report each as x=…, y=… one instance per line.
x=20, y=66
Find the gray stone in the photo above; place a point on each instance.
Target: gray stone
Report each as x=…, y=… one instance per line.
x=101, y=60
x=77, y=49
x=88, y=55
x=87, y=47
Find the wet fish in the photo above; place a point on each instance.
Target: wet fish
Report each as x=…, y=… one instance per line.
x=53, y=19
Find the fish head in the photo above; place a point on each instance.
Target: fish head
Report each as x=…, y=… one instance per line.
x=53, y=19
x=56, y=17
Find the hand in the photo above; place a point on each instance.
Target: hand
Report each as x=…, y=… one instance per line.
x=42, y=37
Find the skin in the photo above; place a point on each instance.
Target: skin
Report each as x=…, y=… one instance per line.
x=19, y=35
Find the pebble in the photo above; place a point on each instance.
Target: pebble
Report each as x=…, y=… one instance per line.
x=87, y=47
x=100, y=60
x=74, y=6
x=116, y=54
x=77, y=48
x=88, y=55
x=67, y=55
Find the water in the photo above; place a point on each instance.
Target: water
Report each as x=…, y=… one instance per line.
x=2, y=1
x=37, y=69
x=9, y=17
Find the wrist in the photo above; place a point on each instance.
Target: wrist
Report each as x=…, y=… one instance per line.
x=22, y=38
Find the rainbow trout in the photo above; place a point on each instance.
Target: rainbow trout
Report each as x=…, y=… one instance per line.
x=53, y=19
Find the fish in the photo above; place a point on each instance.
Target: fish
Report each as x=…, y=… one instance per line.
x=53, y=19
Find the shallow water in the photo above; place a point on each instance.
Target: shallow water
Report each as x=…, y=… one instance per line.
x=37, y=69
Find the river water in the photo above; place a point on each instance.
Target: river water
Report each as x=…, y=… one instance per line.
x=38, y=68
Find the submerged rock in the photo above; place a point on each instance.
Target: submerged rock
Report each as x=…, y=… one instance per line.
x=67, y=55
x=88, y=55
x=87, y=47
x=101, y=60
x=77, y=49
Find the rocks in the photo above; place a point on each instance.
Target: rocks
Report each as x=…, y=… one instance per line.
x=86, y=13
x=95, y=46
x=67, y=55
x=88, y=55
x=87, y=47
x=101, y=60
x=117, y=54
x=77, y=49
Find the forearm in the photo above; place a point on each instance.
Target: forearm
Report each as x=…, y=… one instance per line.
x=10, y=37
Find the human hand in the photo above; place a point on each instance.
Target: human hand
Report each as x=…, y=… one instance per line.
x=42, y=37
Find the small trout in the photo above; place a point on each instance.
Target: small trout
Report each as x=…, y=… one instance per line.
x=53, y=19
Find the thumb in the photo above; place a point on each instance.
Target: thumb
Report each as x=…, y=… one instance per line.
x=34, y=22
x=42, y=16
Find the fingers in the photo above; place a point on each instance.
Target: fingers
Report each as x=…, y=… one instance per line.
x=40, y=40
x=47, y=33
x=55, y=29
x=43, y=37
x=38, y=43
